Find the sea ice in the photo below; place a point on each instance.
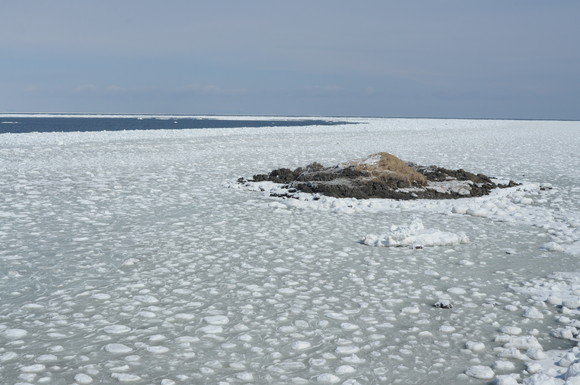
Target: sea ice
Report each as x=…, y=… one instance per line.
x=480, y=372
x=14, y=334
x=116, y=329
x=83, y=379
x=35, y=368
x=217, y=320
x=328, y=378
x=118, y=348
x=118, y=247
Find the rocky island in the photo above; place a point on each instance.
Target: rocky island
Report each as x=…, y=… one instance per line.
x=380, y=175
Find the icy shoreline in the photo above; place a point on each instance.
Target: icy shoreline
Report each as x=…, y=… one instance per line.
x=127, y=260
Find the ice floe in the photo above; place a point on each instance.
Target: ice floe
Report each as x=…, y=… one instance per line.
x=414, y=235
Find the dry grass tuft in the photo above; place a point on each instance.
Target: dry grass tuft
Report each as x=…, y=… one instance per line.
x=385, y=166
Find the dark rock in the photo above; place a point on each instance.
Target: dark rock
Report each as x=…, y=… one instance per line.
x=443, y=304
x=381, y=176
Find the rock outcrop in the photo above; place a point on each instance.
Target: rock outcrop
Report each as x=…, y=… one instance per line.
x=380, y=175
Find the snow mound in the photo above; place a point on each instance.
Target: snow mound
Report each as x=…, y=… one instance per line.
x=414, y=235
x=556, y=367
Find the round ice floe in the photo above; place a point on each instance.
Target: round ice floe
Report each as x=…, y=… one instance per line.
x=505, y=380
x=126, y=377
x=566, y=333
x=101, y=296
x=157, y=338
x=301, y=323
x=533, y=313
x=348, y=326
x=347, y=350
x=245, y=376
x=146, y=314
x=513, y=330
x=459, y=209
x=287, y=329
x=36, y=368
x=185, y=316
x=32, y=306
x=300, y=345
x=336, y=316
x=414, y=235
x=447, y=328
x=345, y=369
x=353, y=359
x=511, y=353
x=456, y=290
x=519, y=342
x=8, y=356
x=328, y=378
x=533, y=367
x=411, y=309
x=157, y=349
x=536, y=353
x=567, y=360
x=217, y=320
x=475, y=346
x=211, y=329
x=571, y=303
x=14, y=334
x=478, y=212
x=118, y=348
x=146, y=299
x=83, y=379
x=552, y=246
x=504, y=366
x=56, y=349
x=480, y=372
x=573, y=371
x=46, y=358
x=182, y=291
x=116, y=329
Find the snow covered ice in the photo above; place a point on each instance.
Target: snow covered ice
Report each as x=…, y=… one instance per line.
x=414, y=236
x=134, y=257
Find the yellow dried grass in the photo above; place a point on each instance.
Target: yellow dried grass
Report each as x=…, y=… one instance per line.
x=389, y=167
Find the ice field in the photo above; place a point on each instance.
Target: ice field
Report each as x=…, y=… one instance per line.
x=135, y=257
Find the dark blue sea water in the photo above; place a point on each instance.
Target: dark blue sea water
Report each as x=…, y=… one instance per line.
x=99, y=123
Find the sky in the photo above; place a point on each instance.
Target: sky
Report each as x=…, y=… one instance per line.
x=438, y=58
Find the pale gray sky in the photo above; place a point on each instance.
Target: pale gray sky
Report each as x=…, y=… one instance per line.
x=437, y=58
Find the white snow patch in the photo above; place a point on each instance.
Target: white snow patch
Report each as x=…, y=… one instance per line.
x=414, y=235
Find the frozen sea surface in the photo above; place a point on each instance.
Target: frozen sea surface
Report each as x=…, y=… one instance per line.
x=134, y=257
